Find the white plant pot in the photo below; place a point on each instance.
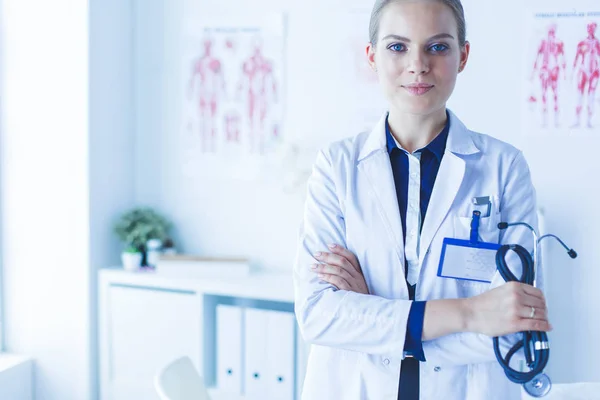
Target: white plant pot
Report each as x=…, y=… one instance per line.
x=131, y=261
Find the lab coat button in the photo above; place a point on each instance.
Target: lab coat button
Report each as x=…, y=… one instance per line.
x=437, y=369
x=386, y=361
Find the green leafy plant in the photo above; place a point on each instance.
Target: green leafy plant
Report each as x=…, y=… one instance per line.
x=139, y=225
x=131, y=249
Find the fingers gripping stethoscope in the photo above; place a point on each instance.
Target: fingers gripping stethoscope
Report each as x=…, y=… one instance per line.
x=534, y=344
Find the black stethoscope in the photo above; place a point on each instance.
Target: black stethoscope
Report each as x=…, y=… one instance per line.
x=534, y=344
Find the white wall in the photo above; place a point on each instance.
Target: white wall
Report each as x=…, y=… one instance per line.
x=46, y=192
x=67, y=160
x=112, y=141
x=261, y=222
x=227, y=217
x=2, y=344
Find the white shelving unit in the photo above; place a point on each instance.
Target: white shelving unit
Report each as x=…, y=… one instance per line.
x=146, y=321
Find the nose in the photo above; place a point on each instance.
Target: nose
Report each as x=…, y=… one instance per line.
x=418, y=63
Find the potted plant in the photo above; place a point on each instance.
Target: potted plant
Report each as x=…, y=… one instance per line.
x=131, y=258
x=135, y=228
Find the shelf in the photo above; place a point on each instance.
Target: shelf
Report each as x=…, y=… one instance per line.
x=258, y=285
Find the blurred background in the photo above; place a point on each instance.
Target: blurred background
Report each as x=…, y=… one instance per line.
x=153, y=161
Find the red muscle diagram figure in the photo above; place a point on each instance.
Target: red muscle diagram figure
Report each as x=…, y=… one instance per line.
x=207, y=83
x=260, y=88
x=232, y=126
x=549, y=59
x=587, y=69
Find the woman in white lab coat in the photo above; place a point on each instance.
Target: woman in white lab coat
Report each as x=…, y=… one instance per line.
x=369, y=300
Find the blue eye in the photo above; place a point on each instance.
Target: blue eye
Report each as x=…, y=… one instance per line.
x=439, y=48
x=397, y=47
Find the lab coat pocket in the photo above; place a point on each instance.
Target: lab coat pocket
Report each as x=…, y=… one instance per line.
x=489, y=233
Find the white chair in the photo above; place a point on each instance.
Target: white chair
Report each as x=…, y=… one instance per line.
x=179, y=380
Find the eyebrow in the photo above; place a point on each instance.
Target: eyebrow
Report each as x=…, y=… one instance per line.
x=407, y=40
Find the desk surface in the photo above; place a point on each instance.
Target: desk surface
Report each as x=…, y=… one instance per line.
x=571, y=391
x=8, y=361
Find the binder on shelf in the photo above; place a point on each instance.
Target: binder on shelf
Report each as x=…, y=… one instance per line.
x=269, y=354
x=280, y=365
x=189, y=266
x=256, y=347
x=229, y=349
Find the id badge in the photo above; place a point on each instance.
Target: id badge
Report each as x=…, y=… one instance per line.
x=467, y=260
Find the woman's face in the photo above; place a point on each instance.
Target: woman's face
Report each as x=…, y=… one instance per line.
x=417, y=56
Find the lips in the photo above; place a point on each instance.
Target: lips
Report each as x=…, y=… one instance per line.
x=418, y=89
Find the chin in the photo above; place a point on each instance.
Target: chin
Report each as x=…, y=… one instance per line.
x=427, y=104
x=418, y=108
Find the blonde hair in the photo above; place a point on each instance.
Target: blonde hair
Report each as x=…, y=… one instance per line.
x=455, y=6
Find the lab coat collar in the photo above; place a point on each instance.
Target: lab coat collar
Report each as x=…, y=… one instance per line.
x=460, y=140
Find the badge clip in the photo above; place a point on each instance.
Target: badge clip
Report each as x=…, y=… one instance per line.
x=475, y=227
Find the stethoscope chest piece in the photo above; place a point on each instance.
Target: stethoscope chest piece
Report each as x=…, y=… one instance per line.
x=539, y=386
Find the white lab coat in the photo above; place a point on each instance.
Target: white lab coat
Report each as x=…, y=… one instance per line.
x=357, y=340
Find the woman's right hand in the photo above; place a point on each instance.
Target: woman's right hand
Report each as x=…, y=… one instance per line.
x=507, y=309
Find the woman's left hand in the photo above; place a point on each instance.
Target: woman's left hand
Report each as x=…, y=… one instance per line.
x=341, y=269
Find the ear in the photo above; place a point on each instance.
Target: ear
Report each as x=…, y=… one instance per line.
x=371, y=56
x=464, y=56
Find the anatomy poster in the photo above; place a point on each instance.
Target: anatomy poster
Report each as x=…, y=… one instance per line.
x=562, y=70
x=232, y=82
